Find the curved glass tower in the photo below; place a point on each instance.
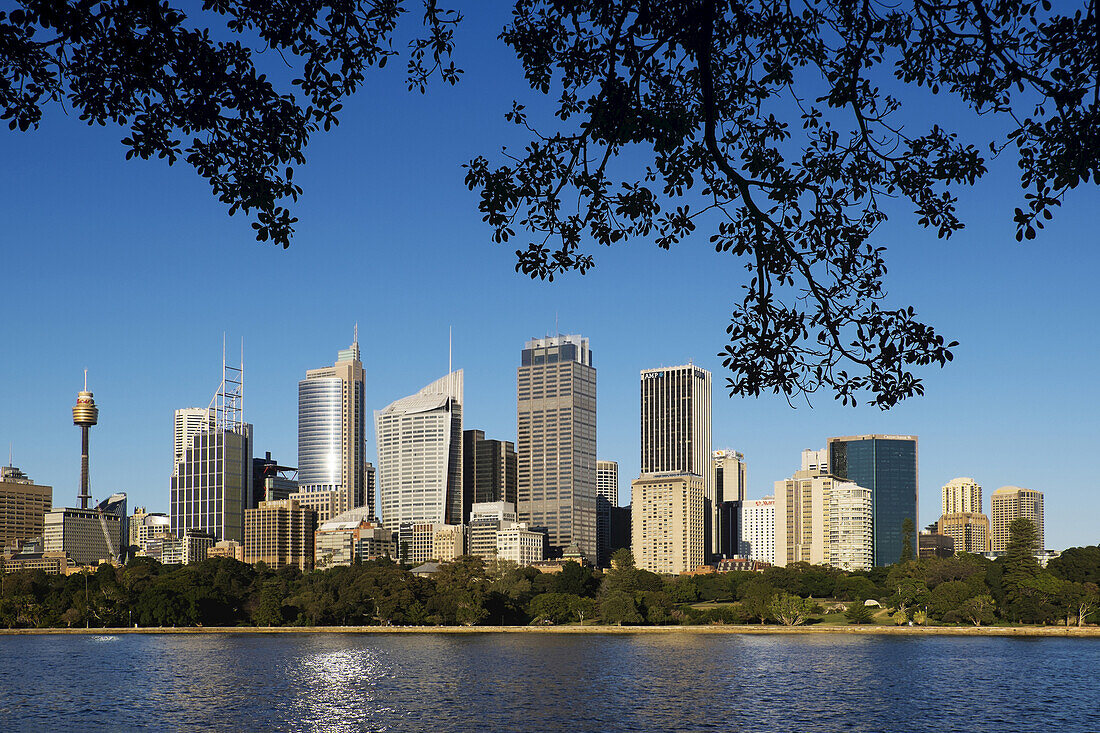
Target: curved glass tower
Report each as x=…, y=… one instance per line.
x=320, y=408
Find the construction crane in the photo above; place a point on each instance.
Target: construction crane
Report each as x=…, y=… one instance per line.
x=101, y=511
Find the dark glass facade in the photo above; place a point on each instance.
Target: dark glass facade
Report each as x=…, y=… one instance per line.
x=888, y=467
x=729, y=528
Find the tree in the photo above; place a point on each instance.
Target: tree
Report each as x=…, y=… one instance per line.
x=858, y=613
x=154, y=70
x=703, y=92
x=908, y=595
x=906, y=540
x=619, y=608
x=1078, y=600
x=978, y=610
x=1021, y=570
x=789, y=610
x=772, y=127
x=756, y=597
x=551, y=608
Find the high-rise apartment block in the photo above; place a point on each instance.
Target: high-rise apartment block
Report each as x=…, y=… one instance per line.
x=23, y=506
x=331, y=434
x=758, y=529
x=676, y=433
x=668, y=515
x=960, y=495
x=822, y=521
x=607, y=498
x=1010, y=503
x=556, y=420
x=887, y=465
x=212, y=475
x=490, y=471
x=851, y=535
x=280, y=534
x=420, y=456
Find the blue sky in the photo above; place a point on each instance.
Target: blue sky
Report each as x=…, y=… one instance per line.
x=133, y=270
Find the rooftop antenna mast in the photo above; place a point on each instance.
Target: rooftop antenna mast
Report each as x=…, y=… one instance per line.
x=227, y=406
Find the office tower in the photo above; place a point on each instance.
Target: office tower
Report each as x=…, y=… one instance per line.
x=962, y=495
x=212, y=479
x=1009, y=503
x=486, y=519
x=668, y=516
x=85, y=415
x=88, y=535
x=851, y=535
x=489, y=471
x=416, y=542
x=420, y=456
x=730, y=476
x=556, y=420
x=621, y=528
x=279, y=534
x=270, y=481
x=968, y=530
x=349, y=538
x=607, y=498
x=758, y=529
x=519, y=544
x=189, y=422
x=23, y=506
x=676, y=433
x=816, y=462
x=887, y=465
x=730, y=485
x=368, y=497
x=331, y=433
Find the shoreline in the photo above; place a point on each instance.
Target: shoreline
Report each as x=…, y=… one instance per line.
x=1020, y=631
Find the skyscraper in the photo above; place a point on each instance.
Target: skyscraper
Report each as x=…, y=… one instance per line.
x=822, y=520
x=188, y=422
x=23, y=505
x=331, y=436
x=968, y=530
x=607, y=498
x=730, y=485
x=758, y=529
x=420, y=456
x=489, y=471
x=212, y=479
x=962, y=494
x=887, y=465
x=667, y=512
x=556, y=421
x=1010, y=503
x=676, y=433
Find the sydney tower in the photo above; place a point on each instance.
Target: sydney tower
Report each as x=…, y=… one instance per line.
x=85, y=414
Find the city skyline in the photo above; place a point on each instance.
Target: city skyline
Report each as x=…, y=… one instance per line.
x=1005, y=411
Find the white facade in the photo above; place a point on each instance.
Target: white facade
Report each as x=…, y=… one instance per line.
x=962, y=495
x=851, y=531
x=520, y=545
x=501, y=511
x=730, y=475
x=758, y=529
x=420, y=456
x=189, y=421
x=816, y=461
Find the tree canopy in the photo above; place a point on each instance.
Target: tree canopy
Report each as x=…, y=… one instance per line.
x=776, y=130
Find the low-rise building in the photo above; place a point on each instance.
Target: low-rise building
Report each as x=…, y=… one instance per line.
x=52, y=563
x=351, y=537
x=227, y=548
x=448, y=542
x=520, y=545
x=931, y=544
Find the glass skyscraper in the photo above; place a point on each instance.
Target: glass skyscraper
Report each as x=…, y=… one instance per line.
x=887, y=465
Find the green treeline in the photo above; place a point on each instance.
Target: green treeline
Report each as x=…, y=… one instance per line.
x=221, y=592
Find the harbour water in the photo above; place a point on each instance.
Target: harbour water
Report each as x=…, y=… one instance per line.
x=535, y=682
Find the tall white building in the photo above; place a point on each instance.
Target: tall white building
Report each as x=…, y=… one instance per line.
x=851, y=529
x=758, y=529
x=676, y=433
x=189, y=421
x=960, y=495
x=730, y=476
x=419, y=478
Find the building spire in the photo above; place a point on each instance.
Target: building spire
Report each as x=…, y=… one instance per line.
x=355, y=337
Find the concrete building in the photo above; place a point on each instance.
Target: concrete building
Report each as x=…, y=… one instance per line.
x=556, y=442
x=969, y=531
x=486, y=519
x=887, y=465
x=802, y=518
x=51, y=563
x=370, y=498
x=88, y=535
x=227, y=548
x=730, y=476
x=1009, y=503
x=935, y=545
x=23, y=506
x=279, y=534
x=851, y=534
x=145, y=526
x=520, y=545
x=758, y=529
x=676, y=433
x=448, y=542
x=490, y=471
x=212, y=478
x=668, y=515
x=962, y=495
x=607, y=498
x=351, y=537
x=332, y=433
x=195, y=545
x=416, y=542
x=420, y=456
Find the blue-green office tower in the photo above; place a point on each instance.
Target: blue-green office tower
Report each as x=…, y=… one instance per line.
x=887, y=465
